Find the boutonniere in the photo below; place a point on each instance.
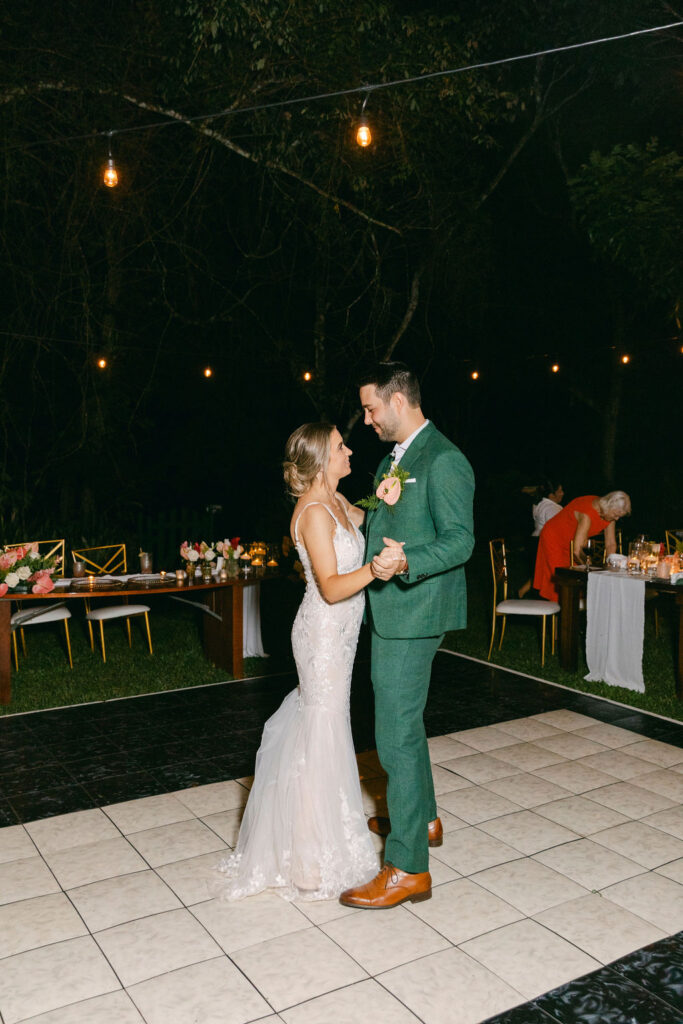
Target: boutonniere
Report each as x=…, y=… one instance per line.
x=388, y=490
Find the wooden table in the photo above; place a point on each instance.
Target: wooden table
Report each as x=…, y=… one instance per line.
x=222, y=624
x=571, y=585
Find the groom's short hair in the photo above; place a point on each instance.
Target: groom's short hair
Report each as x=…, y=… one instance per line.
x=391, y=377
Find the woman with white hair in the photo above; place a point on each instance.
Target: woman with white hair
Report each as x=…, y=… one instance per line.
x=582, y=518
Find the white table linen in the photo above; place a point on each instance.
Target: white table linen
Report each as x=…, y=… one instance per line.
x=252, y=645
x=614, y=630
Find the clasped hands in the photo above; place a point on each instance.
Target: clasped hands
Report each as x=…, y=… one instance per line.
x=390, y=560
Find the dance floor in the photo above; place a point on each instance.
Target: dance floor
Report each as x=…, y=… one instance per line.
x=557, y=893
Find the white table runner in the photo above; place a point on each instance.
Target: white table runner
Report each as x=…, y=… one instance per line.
x=615, y=608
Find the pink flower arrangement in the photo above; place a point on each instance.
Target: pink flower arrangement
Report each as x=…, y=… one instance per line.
x=229, y=549
x=24, y=566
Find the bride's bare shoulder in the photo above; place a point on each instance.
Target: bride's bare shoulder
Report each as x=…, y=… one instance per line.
x=309, y=510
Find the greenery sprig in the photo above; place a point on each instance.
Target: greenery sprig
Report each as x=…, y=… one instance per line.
x=385, y=489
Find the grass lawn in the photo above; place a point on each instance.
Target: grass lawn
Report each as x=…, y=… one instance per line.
x=44, y=679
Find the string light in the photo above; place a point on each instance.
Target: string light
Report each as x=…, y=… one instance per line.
x=208, y=372
x=363, y=133
x=111, y=175
x=102, y=363
x=308, y=375
x=555, y=368
x=625, y=359
x=475, y=375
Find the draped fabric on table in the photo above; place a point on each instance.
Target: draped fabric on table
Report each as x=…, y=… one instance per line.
x=615, y=610
x=251, y=623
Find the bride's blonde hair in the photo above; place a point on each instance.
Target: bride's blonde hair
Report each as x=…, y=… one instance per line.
x=307, y=453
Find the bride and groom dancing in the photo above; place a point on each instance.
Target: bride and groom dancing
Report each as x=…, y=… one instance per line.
x=304, y=833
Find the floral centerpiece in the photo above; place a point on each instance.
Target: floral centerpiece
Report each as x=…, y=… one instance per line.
x=231, y=551
x=24, y=568
x=198, y=552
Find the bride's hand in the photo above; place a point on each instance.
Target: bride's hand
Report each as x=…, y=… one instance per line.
x=390, y=559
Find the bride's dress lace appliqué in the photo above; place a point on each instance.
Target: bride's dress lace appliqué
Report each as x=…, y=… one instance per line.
x=304, y=833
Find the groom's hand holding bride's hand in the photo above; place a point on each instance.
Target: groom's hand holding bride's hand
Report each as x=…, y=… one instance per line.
x=390, y=560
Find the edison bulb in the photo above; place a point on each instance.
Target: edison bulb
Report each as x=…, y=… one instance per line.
x=363, y=134
x=111, y=175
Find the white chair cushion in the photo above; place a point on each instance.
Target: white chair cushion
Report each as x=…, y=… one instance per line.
x=28, y=618
x=518, y=607
x=117, y=611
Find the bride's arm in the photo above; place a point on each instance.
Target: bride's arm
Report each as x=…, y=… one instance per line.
x=316, y=528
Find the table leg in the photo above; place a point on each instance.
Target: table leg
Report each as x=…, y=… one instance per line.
x=569, y=592
x=5, y=652
x=679, y=652
x=223, y=637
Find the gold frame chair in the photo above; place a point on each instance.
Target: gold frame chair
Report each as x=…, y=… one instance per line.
x=22, y=619
x=113, y=559
x=516, y=606
x=672, y=540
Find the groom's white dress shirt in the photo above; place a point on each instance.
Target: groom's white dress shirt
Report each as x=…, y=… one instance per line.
x=400, y=449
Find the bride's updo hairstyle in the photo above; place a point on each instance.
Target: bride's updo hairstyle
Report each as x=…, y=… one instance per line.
x=307, y=452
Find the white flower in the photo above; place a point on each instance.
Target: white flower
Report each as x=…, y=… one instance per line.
x=209, y=555
x=192, y=555
x=23, y=572
x=11, y=579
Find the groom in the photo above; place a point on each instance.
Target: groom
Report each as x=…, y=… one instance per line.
x=424, y=596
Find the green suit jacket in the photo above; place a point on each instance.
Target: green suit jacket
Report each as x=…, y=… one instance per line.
x=434, y=518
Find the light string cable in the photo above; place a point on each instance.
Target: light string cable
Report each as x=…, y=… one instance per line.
x=355, y=90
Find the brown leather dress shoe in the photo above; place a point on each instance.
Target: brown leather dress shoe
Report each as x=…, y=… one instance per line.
x=388, y=889
x=382, y=827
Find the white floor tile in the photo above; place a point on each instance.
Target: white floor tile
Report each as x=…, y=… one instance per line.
x=440, y=872
x=29, y=924
x=446, y=780
x=484, y=738
x=570, y=745
x=641, y=843
x=179, y=841
x=449, y=822
x=240, y=923
x=530, y=957
x=589, y=864
x=115, y=900
x=663, y=754
x=665, y=782
x=450, y=986
x=213, y=992
x=470, y=849
x=670, y=820
x=380, y=942
x=113, y=1008
x=618, y=763
x=526, y=790
x=474, y=804
x=293, y=968
x=83, y=864
x=194, y=880
x=528, y=729
x=609, y=735
x=225, y=824
x=445, y=748
x=148, y=812
x=462, y=909
x=217, y=796
x=364, y=1001
x=673, y=870
x=478, y=768
x=653, y=897
x=527, y=756
x=564, y=719
x=23, y=879
x=15, y=844
x=52, y=976
x=631, y=800
x=598, y=927
x=527, y=831
x=322, y=911
x=580, y=814
x=574, y=776
x=65, y=831
x=154, y=945
x=528, y=885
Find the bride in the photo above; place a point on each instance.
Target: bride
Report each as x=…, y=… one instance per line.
x=304, y=832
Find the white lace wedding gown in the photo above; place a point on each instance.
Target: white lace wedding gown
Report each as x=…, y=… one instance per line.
x=304, y=833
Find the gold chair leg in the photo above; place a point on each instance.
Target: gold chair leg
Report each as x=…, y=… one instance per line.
x=92, y=638
x=23, y=642
x=16, y=651
x=128, y=631
x=656, y=623
x=553, y=633
x=104, y=653
x=543, y=642
x=149, y=635
x=68, y=643
x=493, y=634
x=502, y=634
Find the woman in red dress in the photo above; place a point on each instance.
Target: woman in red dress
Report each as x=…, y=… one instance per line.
x=580, y=519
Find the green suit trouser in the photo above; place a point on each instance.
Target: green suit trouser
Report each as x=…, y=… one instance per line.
x=401, y=670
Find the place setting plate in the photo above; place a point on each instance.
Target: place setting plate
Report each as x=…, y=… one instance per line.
x=85, y=583
x=152, y=581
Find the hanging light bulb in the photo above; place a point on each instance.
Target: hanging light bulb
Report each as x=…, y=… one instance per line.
x=625, y=359
x=102, y=363
x=308, y=375
x=475, y=375
x=555, y=368
x=111, y=175
x=208, y=372
x=363, y=133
